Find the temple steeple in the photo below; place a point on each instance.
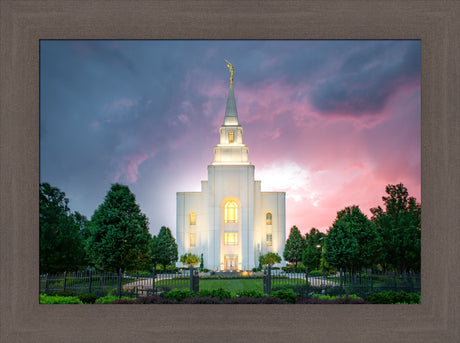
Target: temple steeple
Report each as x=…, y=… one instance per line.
x=231, y=149
x=231, y=115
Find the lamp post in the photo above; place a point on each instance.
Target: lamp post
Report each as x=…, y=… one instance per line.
x=321, y=245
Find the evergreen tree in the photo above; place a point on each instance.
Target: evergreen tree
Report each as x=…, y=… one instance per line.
x=119, y=236
x=353, y=241
x=400, y=227
x=295, y=246
x=61, y=238
x=164, y=248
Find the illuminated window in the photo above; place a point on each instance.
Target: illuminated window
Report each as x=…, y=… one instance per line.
x=268, y=218
x=230, y=137
x=231, y=238
x=192, y=218
x=231, y=212
x=269, y=239
x=193, y=239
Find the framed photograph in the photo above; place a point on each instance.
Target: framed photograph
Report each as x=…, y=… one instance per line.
x=33, y=35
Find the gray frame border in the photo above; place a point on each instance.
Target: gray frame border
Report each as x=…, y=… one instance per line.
x=24, y=23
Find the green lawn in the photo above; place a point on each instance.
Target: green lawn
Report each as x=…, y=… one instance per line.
x=233, y=285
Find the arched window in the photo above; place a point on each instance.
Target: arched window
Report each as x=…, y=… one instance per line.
x=230, y=137
x=231, y=212
x=192, y=218
x=268, y=218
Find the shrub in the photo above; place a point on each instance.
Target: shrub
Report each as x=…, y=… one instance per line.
x=62, y=293
x=331, y=300
x=144, y=300
x=249, y=300
x=178, y=294
x=109, y=299
x=301, y=290
x=87, y=298
x=202, y=300
x=153, y=300
x=335, y=297
x=251, y=293
x=215, y=293
x=164, y=288
x=56, y=299
x=287, y=295
x=392, y=297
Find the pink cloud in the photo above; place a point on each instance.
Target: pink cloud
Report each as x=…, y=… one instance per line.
x=325, y=163
x=128, y=168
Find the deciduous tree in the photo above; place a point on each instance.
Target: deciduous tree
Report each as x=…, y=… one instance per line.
x=269, y=258
x=400, y=227
x=353, y=241
x=61, y=233
x=190, y=259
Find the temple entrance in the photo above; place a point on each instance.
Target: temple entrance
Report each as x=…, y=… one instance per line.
x=230, y=262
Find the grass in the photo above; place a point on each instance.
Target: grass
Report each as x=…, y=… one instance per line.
x=233, y=285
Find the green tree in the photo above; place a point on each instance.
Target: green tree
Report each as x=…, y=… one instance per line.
x=61, y=238
x=295, y=246
x=269, y=258
x=119, y=236
x=353, y=241
x=311, y=256
x=164, y=248
x=400, y=228
x=190, y=259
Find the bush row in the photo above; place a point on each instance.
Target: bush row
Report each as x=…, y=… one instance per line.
x=391, y=297
x=221, y=296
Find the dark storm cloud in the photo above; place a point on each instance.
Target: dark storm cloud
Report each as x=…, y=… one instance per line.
x=146, y=113
x=368, y=77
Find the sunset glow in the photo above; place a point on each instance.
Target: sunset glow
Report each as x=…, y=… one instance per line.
x=330, y=123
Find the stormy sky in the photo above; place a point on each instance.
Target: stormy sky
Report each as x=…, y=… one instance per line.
x=331, y=123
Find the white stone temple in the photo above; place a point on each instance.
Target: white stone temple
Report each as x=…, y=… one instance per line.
x=231, y=222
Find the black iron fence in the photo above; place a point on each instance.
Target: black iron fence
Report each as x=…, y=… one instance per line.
x=340, y=283
x=120, y=284
x=305, y=284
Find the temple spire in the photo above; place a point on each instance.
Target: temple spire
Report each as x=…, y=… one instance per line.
x=231, y=115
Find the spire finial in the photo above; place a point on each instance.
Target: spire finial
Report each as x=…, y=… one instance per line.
x=232, y=69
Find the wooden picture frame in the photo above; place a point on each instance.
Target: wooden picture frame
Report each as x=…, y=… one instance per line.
x=24, y=23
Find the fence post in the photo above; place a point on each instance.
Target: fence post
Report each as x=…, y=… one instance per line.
x=153, y=281
x=372, y=283
x=90, y=281
x=269, y=279
x=196, y=282
x=119, y=284
x=191, y=278
x=264, y=282
x=410, y=280
x=394, y=281
x=65, y=280
x=341, y=282
x=47, y=283
x=306, y=280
